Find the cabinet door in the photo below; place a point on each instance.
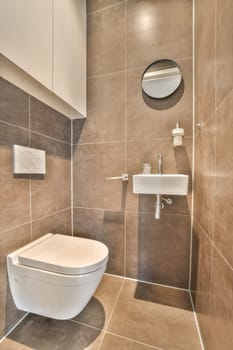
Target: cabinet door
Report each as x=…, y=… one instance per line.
x=69, y=71
x=26, y=36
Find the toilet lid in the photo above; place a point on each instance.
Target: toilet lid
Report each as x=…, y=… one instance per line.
x=65, y=254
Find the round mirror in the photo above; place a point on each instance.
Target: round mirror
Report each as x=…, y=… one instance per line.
x=161, y=78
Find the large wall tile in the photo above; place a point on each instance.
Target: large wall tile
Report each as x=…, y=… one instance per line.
x=224, y=179
x=158, y=29
x=142, y=121
x=158, y=250
x=204, y=178
x=105, y=109
x=92, y=164
x=51, y=192
x=95, y=5
x=14, y=203
x=10, y=241
x=107, y=227
x=201, y=278
x=59, y=223
x=47, y=121
x=14, y=106
x=221, y=315
x=205, y=59
x=224, y=48
x=106, y=41
x=213, y=185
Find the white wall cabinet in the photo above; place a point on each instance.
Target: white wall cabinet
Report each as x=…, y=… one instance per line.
x=69, y=69
x=47, y=40
x=26, y=36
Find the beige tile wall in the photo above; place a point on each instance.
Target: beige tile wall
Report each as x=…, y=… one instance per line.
x=123, y=130
x=30, y=206
x=212, y=267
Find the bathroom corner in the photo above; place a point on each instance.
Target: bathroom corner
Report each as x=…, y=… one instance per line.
x=125, y=241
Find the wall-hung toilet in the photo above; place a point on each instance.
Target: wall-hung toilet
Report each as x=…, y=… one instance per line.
x=56, y=275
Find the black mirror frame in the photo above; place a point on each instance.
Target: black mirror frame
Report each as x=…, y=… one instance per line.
x=157, y=61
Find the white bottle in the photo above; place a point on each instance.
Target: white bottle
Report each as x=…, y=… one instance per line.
x=177, y=134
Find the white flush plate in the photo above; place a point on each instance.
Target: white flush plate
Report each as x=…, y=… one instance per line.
x=28, y=160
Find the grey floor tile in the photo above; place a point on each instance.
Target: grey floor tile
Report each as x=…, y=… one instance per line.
x=97, y=312
x=154, y=320
x=36, y=332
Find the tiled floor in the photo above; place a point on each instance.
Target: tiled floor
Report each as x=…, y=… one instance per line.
x=123, y=315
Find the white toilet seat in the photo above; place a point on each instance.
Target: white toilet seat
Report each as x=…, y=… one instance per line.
x=65, y=255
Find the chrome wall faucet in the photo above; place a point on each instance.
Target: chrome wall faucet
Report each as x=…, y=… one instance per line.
x=160, y=164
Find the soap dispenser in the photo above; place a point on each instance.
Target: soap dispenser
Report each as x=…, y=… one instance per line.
x=177, y=134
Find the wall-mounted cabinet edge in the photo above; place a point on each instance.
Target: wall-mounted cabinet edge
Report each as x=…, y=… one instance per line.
x=24, y=81
x=43, y=51
x=69, y=56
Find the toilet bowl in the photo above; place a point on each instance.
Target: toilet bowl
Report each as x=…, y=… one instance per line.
x=56, y=275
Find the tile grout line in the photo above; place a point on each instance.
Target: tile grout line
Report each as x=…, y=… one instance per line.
x=132, y=211
x=33, y=132
x=133, y=340
x=217, y=107
x=50, y=137
x=215, y=136
x=193, y=143
x=105, y=8
x=115, y=303
x=15, y=227
x=104, y=332
x=125, y=132
x=147, y=282
x=12, y=329
x=111, y=314
x=54, y=213
x=214, y=246
x=97, y=143
x=85, y=324
x=101, y=332
x=97, y=76
x=223, y=257
x=52, y=53
x=128, y=69
x=157, y=139
x=197, y=323
x=193, y=174
x=72, y=180
x=30, y=177
x=37, y=219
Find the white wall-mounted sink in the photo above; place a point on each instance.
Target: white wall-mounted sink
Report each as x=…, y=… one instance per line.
x=169, y=184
